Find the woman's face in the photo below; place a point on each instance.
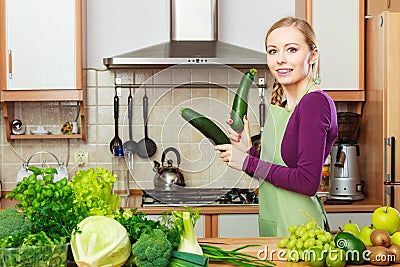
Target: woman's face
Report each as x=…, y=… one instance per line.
x=288, y=55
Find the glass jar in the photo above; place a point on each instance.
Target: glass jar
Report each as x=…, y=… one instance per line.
x=120, y=168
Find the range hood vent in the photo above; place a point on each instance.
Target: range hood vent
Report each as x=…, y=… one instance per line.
x=193, y=40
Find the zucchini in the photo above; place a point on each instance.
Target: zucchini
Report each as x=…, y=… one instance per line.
x=208, y=128
x=185, y=259
x=239, y=106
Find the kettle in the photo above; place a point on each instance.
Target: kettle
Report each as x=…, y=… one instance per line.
x=167, y=176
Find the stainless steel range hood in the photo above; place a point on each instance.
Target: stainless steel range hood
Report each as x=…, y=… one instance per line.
x=193, y=40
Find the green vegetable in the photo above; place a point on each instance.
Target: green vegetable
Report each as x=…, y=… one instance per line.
x=152, y=250
x=12, y=222
x=26, y=249
x=207, y=127
x=352, y=245
x=233, y=256
x=47, y=204
x=185, y=221
x=240, y=103
x=100, y=241
x=92, y=190
x=184, y=259
x=136, y=223
x=48, y=255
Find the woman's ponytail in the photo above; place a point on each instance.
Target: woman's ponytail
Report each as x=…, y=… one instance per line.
x=277, y=94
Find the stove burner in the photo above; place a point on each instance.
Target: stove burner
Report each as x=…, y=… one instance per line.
x=184, y=196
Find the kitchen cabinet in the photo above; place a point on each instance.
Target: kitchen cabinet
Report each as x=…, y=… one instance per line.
x=238, y=225
x=339, y=27
x=380, y=125
x=41, y=56
x=375, y=7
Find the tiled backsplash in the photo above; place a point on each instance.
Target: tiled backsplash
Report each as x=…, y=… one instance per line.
x=199, y=162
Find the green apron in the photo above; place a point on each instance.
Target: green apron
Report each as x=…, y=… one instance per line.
x=280, y=208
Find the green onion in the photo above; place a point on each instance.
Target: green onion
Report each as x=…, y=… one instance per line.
x=234, y=257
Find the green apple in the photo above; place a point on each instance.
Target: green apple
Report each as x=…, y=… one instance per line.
x=365, y=234
x=386, y=218
x=395, y=238
x=316, y=257
x=352, y=228
x=336, y=257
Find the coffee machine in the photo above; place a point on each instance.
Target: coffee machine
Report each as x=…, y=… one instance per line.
x=345, y=182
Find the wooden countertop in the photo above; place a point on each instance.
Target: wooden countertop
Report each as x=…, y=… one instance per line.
x=268, y=245
x=357, y=206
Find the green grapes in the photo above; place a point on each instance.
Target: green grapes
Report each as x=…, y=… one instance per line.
x=303, y=238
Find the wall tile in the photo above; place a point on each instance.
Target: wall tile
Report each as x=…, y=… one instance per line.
x=166, y=127
x=91, y=78
x=105, y=78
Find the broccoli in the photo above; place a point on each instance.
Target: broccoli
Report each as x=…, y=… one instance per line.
x=12, y=222
x=152, y=250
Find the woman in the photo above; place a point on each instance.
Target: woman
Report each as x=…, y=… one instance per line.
x=300, y=129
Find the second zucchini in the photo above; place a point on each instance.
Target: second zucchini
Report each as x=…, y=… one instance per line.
x=207, y=127
x=239, y=106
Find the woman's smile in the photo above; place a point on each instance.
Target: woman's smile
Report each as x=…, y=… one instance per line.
x=284, y=71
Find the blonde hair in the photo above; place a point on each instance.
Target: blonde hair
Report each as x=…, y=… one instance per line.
x=306, y=29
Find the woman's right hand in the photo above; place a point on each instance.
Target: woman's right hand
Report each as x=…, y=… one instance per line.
x=235, y=153
x=225, y=152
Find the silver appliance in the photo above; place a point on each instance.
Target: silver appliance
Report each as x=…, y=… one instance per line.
x=345, y=182
x=193, y=40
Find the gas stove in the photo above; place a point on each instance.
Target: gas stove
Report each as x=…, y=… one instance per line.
x=183, y=196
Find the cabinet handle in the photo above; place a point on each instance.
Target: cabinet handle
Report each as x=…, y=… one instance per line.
x=389, y=179
x=387, y=3
x=389, y=142
x=9, y=63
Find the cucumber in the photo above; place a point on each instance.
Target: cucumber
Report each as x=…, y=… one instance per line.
x=208, y=128
x=352, y=245
x=239, y=106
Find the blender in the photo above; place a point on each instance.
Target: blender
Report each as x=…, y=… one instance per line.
x=345, y=182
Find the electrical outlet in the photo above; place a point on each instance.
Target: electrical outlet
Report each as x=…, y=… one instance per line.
x=261, y=81
x=81, y=159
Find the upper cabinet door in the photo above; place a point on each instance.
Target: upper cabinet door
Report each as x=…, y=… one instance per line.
x=339, y=26
x=41, y=44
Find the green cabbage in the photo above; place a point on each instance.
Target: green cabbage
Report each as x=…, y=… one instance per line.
x=100, y=241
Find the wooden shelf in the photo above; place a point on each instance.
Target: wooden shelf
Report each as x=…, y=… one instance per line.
x=45, y=136
x=9, y=97
x=347, y=95
x=41, y=95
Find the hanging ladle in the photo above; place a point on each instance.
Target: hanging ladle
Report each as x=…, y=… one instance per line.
x=130, y=145
x=147, y=147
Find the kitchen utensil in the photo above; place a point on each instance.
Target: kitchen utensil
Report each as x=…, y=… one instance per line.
x=256, y=139
x=17, y=127
x=167, y=176
x=61, y=169
x=130, y=145
x=147, y=147
x=116, y=141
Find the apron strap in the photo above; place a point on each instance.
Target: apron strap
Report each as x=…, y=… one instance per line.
x=326, y=222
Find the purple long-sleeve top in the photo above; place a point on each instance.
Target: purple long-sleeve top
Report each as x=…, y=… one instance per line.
x=310, y=134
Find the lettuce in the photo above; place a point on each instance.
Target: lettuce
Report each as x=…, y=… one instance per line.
x=92, y=189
